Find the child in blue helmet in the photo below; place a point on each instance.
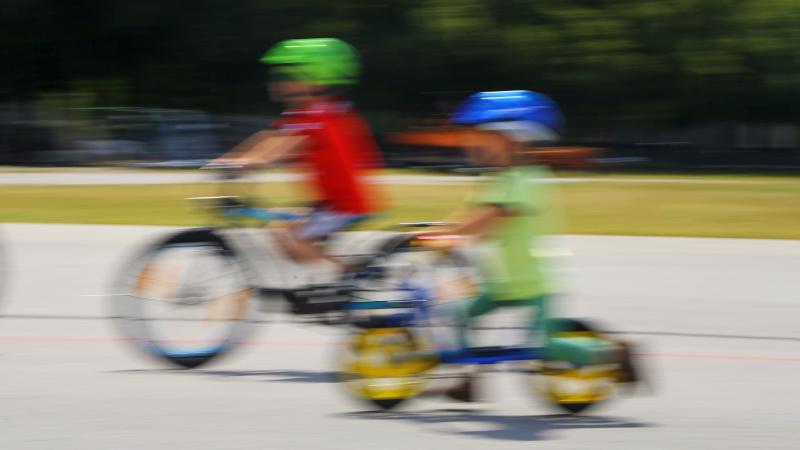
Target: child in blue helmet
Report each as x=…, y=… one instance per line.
x=513, y=215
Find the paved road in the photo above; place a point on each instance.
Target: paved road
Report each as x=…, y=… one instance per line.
x=717, y=320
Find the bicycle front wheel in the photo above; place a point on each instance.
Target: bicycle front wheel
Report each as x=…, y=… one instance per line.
x=380, y=366
x=186, y=300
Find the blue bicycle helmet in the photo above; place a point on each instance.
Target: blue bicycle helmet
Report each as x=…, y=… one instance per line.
x=521, y=112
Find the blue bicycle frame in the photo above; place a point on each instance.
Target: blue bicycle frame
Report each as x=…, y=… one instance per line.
x=419, y=301
x=264, y=215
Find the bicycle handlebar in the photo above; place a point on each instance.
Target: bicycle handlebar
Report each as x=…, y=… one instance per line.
x=424, y=224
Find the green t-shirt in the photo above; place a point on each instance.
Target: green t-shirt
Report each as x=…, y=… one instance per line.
x=514, y=268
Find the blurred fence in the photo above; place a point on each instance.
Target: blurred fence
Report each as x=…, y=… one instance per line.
x=82, y=136
x=720, y=146
x=150, y=136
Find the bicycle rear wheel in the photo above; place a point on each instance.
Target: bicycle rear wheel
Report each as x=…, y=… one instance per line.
x=186, y=300
x=571, y=388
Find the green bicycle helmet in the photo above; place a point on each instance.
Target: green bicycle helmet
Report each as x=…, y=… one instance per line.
x=320, y=61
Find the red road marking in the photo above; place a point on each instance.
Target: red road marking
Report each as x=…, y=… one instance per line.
x=283, y=343
x=106, y=340
x=728, y=357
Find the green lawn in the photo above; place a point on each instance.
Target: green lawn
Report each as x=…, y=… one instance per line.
x=732, y=206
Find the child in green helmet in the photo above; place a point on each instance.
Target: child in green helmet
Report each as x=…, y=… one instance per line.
x=320, y=131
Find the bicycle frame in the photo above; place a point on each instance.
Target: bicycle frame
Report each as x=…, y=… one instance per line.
x=420, y=303
x=239, y=214
x=277, y=274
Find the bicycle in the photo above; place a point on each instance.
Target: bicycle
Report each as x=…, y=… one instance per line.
x=191, y=297
x=389, y=361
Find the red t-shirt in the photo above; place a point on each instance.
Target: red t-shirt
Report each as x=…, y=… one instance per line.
x=339, y=151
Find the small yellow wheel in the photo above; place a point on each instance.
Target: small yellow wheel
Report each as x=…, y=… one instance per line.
x=379, y=365
x=575, y=389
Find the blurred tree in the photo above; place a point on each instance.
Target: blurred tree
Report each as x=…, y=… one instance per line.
x=604, y=60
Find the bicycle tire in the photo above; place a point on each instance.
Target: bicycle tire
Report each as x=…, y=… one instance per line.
x=131, y=301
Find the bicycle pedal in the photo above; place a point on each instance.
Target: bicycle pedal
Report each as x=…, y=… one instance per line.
x=318, y=305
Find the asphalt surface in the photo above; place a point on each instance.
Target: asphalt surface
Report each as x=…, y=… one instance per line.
x=716, y=320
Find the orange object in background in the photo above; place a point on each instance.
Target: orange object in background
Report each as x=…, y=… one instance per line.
x=577, y=158
x=434, y=138
x=556, y=157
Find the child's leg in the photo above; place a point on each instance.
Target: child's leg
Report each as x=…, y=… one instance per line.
x=577, y=348
x=538, y=306
x=302, y=241
x=464, y=316
x=539, y=331
x=476, y=308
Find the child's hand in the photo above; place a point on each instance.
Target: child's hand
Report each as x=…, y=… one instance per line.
x=439, y=240
x=240, y=162
x=224, y=162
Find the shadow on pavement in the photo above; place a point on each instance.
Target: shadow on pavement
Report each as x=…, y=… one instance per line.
x=285, y=376
x=494, y=426
x=464, y=422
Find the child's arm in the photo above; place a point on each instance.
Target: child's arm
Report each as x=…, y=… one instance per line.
x=263, y=148
x=478, y=223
